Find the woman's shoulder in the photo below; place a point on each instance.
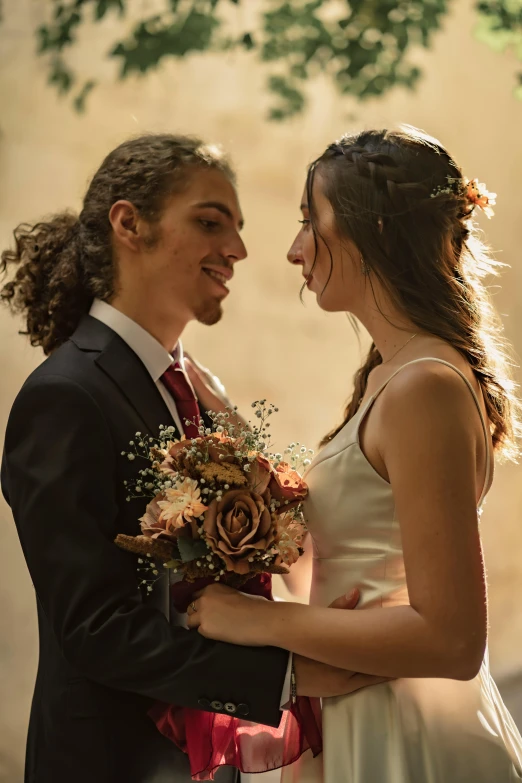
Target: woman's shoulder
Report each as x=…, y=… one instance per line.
x=435, y=366
x=435, y=383
x=428, y=378
x=430, y=396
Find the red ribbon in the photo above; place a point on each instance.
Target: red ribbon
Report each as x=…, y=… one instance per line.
x=214, y=740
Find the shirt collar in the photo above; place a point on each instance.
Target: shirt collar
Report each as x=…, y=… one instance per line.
x=153, y=355
x=178, y=354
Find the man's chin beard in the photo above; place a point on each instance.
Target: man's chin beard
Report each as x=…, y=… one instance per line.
x=209, y=315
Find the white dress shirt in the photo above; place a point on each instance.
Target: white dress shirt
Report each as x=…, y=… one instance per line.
x=156, y=360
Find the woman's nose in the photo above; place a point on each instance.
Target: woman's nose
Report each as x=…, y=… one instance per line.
x=293, y=255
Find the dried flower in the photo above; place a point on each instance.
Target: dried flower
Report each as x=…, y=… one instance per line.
x=260, y=474
x=224, y=473
x=287, y=486
x=141, y=545
x=238, y=527
x=182, y=503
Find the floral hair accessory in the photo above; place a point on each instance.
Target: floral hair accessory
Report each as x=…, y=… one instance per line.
x=474, y=192
x=479, y=196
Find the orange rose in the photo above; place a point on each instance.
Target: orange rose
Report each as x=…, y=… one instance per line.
x=239, y=526
x=287, y=485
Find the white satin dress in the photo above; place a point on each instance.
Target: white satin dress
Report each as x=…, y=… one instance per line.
x=408, y=730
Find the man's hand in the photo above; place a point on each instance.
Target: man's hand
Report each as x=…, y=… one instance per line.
x=348, y=601
x=319, y=679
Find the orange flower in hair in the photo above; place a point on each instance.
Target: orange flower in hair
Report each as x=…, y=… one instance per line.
x=478, y=195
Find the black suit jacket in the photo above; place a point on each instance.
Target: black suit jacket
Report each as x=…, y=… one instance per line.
x=106, y=651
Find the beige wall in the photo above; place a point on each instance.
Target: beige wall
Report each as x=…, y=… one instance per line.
x=268, y=345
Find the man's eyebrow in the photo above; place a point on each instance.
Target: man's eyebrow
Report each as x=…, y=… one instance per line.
x=221, y=208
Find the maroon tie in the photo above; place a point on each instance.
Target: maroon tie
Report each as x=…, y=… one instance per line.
x=186, y=403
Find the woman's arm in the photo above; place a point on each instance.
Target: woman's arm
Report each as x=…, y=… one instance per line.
x=431, y=435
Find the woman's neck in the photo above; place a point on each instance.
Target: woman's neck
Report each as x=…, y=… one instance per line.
x=390, y=331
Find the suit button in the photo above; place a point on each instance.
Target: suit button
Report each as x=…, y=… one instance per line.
x=216, y=705
x=230, y=707
x=204, y=704
x=243, y=709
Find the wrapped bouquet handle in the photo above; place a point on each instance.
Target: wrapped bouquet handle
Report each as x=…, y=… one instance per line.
x=213, y=740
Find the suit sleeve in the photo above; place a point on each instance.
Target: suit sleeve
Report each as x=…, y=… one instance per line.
x=59, y=475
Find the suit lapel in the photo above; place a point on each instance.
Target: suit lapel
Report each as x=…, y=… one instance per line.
x=135, y=383
x=125, y=369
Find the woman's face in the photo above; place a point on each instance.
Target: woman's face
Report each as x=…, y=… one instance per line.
x=335, y=279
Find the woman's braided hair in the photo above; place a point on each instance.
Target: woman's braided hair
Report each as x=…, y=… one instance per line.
x=401, y=199
x=62, y=264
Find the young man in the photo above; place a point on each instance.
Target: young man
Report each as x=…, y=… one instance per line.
x=107, y=295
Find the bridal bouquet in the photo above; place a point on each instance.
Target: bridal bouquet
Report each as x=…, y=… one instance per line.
x=221, y=506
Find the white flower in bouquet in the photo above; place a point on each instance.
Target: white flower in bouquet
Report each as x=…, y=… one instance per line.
x=182, y=504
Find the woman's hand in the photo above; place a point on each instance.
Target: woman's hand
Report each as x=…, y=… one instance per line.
x=209, y=390
x=222, y=613
x=227, y=615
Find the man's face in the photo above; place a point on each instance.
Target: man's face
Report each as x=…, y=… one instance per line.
x=196, y=243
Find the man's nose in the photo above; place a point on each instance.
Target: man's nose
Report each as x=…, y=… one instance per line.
x=237, y=250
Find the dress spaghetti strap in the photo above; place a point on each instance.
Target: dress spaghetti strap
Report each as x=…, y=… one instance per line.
x=485, y=428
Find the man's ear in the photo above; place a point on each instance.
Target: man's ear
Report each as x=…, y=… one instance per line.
x=124, y=220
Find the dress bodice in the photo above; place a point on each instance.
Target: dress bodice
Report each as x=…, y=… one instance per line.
x=350, y=513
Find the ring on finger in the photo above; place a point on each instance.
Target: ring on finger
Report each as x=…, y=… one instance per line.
x=193, y=607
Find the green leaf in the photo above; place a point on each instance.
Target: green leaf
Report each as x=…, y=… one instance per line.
x=500, y=27
x=104, y=6
x=247, y=40
x=363, y=45
x=190, y=549
x=292, y=99
x=153, y=39
x=61, y=34
x=81, y=97
x=61, y=76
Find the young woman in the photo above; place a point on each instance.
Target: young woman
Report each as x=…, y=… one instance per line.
x=397, y=489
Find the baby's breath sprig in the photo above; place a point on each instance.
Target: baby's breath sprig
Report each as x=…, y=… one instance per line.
x=143, y=445
x=454, y=186
x=148, y=573
x=150, y=480
x=298, y=456
x=255, y=436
